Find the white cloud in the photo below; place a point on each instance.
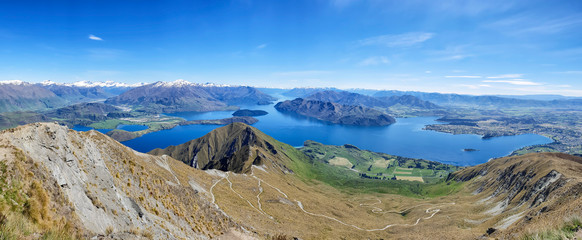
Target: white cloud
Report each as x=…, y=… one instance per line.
x=451, y=53
x=522, y=24
x=569, y=72
x=262, y=46
x=454, y=57
x=521, y=82
x=473, y=86
x=302, y=73
x=427, y=71
x=466, y=76
x=399, y=40
x=374, y=61
x=517, y=75
x=93, y=37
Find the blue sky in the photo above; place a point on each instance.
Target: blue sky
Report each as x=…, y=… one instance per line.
x=471, y=46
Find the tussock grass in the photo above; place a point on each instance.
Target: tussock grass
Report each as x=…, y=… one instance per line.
x=567, y=231
x=26, y=207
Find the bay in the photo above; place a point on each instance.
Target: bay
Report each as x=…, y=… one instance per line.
x=404, y=138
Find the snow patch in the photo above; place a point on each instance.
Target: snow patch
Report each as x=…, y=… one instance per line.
x=183, y=83
x=13, y=82
x=88, y=84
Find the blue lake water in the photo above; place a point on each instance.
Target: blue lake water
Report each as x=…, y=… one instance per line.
x=132, y=128
x=404, y=138
x=83, y=129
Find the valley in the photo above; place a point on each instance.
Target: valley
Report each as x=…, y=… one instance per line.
x=247, y=184
x=287, y=193
x=291, y=120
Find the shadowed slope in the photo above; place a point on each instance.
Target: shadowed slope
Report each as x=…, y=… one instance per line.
x=235, y=147
x=523, y=194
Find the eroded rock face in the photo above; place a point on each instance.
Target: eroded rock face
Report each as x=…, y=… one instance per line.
x=115, y=190
x=522, y=189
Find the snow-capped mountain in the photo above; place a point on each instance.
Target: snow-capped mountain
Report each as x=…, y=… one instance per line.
x=16, y=95
x=13, y=82
x=181, y=95
x=93, y=84
x=182, y=83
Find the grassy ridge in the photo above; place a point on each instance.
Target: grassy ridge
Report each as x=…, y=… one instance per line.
x=310, y=170
x=377, y=165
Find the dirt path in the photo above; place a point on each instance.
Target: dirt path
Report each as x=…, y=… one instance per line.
x=431, y=211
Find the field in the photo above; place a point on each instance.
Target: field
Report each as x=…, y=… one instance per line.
x=561, y=125
x=376, y=166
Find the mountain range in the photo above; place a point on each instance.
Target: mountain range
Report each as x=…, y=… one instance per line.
x=349, y=98
x=180, y=96
x=18, y=95
x=59, y=182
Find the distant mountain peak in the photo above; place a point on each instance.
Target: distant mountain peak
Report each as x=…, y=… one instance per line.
x=89, y=84
x=183, y=83
x=14, y=82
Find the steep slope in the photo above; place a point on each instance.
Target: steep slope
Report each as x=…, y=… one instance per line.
x=238, y=95
x=98, y=187
x=83, y=112
x=405, y=105
x=525, y=194
x=305, y=92
x=74, y=93
x=169, y=97
x=336, y=113
x=409, y=101
x=20, y=96
x=348, y=98
x=13, y=119
x=235, y=147
x=181, y=95
x=99, y=90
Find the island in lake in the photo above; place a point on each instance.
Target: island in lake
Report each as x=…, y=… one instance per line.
x=249, y=113
x=336, y=113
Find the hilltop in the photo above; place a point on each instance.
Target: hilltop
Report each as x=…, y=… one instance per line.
x=235, y=147
x=335, y=113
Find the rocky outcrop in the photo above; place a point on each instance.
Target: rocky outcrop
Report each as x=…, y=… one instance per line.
x=112, y=190
x=336, y=113
x=521, y=188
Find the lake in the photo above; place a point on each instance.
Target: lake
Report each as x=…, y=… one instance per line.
x=404, y=138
